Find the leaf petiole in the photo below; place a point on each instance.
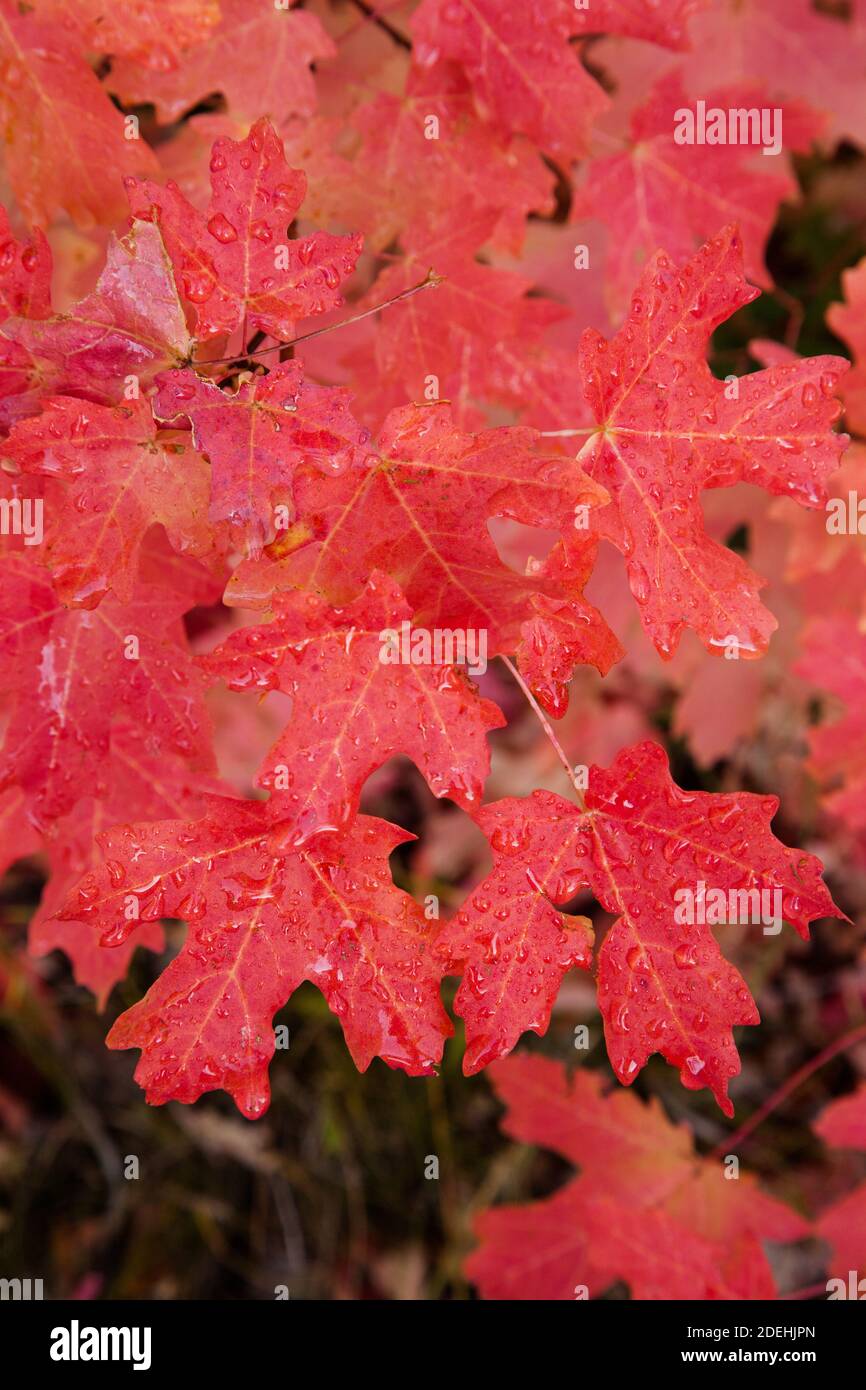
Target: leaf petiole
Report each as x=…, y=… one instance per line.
x=548, y=729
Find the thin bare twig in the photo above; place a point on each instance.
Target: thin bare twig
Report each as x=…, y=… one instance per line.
x=374, y=13
x=808, y=1069
x=430, y=281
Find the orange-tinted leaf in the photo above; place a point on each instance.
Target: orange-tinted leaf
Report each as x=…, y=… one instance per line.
x=258, y=58
x=64, y=140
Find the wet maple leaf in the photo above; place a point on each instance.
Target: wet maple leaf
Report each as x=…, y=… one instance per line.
x=848, y=320
x=71, y=672
x=235, y=263
x=145, y=782
x=25, y=292
x=130, y=327
x=663, y=985
x=512, y=948
x=64, y=140
x=658, y=194
x=25, y=274
x=667, y=429
x=646, y=1209
x=311, y=143
x=352, y=711
x=258, y=926
x=230, y=61
x=122, y=478
x=257, y=436
x=526, y=76
x=418, y=509
x=842, y=1125
x=564, y=630
x=97, y=968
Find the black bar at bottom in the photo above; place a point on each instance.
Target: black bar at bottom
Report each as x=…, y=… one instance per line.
x=69, y=1339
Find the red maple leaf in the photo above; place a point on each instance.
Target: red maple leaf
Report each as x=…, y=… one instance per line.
x=427, y=148
x=70, y=672
x=145, y=782
x=650, y=853
x=122, y=478
x=65, y=142
x=646, y=1209
x=230, y=60
x=353, y=710
x=667, y=429
x=657, y=194
x=110, y=344
x=512, y=947
x=526, y=76
x=260, y=925
x=235, y=263
x=418, y=509
x=799, y=51
x=257, y=436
